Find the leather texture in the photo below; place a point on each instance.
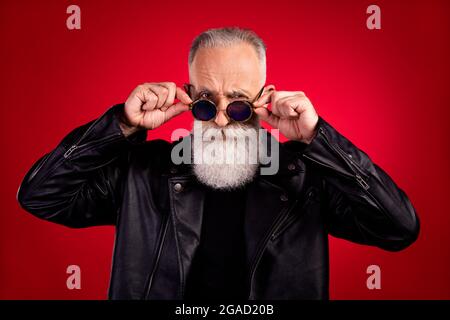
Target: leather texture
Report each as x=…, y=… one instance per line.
x=97, y=176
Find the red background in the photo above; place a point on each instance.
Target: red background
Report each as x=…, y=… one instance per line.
x=387, y=90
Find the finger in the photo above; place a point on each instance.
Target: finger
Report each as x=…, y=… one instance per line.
x=266, y=97
x=183, y=96
x=299, y=105
x=171, y=86
x=267, y=116
x=282, y=108
x=150, y=100
x=161, y=92
x=302, y=105
x=262, y=112
x=175, y=110
x=291, y=105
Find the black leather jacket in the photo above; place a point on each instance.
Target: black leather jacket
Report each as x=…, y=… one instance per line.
x=96, y=176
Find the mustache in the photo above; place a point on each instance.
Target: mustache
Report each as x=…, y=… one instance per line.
x=211, y=131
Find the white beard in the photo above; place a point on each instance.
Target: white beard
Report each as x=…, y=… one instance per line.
x=234, y=161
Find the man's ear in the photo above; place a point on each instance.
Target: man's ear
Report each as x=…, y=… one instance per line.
x=268, y=88
x=187, y=88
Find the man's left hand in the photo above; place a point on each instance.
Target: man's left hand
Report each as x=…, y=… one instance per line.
x=291, y=112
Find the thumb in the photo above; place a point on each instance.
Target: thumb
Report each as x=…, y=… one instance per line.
x=175, y=110
x=183, y=96
x=262, y=112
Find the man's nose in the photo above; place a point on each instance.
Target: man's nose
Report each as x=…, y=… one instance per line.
x=221, y=118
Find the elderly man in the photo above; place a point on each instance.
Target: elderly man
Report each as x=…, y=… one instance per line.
x=219, y=229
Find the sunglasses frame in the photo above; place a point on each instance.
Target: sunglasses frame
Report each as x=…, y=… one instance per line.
x=188, y=86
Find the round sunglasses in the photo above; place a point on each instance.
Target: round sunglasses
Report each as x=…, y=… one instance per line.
x=204, y=109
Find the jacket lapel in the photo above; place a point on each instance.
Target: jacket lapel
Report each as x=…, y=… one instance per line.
x=269, y=200
x=187, y=199
x=263, y=208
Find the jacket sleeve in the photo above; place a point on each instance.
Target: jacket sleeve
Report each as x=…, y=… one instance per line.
x=364, y=205
x=76, y=184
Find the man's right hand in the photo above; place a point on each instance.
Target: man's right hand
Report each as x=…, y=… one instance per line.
x=151, y=105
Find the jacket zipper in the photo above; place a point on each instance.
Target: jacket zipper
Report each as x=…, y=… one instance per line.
x=362, y=182
x=354, y=165
x=266, y=240
x=88, y=130
x=66, y=154
x=158, y=256
x=358, y=173
x=283, y=225
x=91, y=144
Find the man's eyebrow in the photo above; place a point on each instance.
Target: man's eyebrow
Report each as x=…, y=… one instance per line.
x=204, y=89
x=242, y=92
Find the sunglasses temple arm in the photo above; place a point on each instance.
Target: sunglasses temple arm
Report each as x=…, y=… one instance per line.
x=259, y=95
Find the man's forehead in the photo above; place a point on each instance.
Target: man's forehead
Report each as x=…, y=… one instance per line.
x=226, y=90
x=225, y=71
x=235, y=54
x=226, y=83
x=237, y=63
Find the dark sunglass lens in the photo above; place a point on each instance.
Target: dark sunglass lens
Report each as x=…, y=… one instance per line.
x=239, y=111
x=204, y=110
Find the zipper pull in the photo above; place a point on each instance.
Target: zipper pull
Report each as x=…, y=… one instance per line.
x=69, y=151
x=322, y=131
x=362, y=182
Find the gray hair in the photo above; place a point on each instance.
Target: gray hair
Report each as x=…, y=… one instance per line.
x=223, y=37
